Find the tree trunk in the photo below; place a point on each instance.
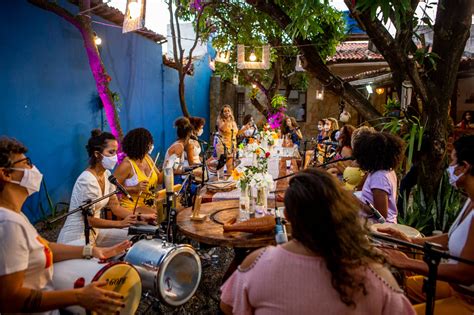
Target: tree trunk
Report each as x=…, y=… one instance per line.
x=82, y=23
x=451, y=31
x=182, y=97
x=316, y=66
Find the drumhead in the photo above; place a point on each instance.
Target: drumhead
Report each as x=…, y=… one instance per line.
x=124, y=279
x=408, y=230
x=179, y=275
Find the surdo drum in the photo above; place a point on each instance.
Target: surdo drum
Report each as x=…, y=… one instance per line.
x=170, y=272
x=121, y=277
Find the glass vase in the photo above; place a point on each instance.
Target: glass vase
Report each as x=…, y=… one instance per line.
x=244, y=204
x=261, y=202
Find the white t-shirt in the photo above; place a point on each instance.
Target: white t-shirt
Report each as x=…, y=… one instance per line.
x=22, y=249
x=86, y=187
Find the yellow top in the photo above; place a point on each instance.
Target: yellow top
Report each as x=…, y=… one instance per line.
x=146, y=198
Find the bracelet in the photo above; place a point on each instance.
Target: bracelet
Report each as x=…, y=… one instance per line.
x=87, y=251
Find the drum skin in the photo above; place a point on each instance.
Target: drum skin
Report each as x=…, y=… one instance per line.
x=121, y=277
x=408, y=230
x=170, y=272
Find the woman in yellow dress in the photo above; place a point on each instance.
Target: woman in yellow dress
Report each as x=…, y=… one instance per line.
x=227, y=136
x=138, y=173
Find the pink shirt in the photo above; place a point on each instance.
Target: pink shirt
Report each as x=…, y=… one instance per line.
x=282, y=282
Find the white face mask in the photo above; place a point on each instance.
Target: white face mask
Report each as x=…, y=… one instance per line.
x=327, y=127
x=109, y=162
x=453, y=178
x=31, y=179
x=320, y=127
x=151, y=149
x=200, y=132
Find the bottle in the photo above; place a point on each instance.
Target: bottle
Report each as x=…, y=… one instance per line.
x=280, y=231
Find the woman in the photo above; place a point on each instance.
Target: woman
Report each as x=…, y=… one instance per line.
x=248, y=130
x=344, y=150
x=227, y=129
x=138, y=173
x=321, y=131
x=292, y=130
x=193, y=150
x=379, y=154
x=467, y=121
x=456, y=295
x=329, y=267
x=331, y=126
x=26, y=262
x=90, y=185
x=176, y=154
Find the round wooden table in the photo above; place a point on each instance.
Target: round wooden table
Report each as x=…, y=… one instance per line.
x=211, y=232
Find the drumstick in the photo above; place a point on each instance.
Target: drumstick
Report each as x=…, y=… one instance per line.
x=148, y=178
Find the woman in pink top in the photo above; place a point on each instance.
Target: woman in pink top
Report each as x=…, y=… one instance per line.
x=329, y=267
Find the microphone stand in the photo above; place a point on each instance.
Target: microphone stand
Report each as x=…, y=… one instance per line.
x=431, y=256
x=86, y=209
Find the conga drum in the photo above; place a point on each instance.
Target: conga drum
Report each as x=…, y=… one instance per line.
x=408, y=230
x=121, y=277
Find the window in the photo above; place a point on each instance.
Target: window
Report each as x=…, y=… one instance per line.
x=296, y=104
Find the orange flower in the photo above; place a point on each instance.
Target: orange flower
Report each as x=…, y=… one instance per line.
x=275, y=136
x=236, y=174
x=251, y=140
x=258, y=151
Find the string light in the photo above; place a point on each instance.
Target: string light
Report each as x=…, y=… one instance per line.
x=97, y=39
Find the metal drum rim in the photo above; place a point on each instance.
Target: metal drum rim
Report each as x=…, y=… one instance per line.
x=164, y=263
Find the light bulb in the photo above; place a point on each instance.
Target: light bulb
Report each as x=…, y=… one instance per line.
x=254, y=85
x=134, y=10
x=222, y=55
x=252, y=57
x=97, y=40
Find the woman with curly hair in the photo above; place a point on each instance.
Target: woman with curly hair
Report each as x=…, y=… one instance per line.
x=291, y=130
x=329, y=267
x=138, y=174
x=176, y=157
x=379, y=154
x=227, y=128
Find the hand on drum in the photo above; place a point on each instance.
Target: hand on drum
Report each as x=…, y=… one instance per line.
x=395, y=257
x=107, y=252
x=394, y=233
x=149, y=218
x=129, y=220
x=94, y=298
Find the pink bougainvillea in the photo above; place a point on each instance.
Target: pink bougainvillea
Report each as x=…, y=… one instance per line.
x=275, y=119
x=196, y=5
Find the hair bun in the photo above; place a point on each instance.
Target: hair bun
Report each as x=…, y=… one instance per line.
x=96, y=133
x=182, y=122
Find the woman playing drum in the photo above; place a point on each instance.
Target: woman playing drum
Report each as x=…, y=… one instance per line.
x=26, y=258
x=456, y=295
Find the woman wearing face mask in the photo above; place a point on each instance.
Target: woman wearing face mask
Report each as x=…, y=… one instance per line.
x=193, y=150
x=176, y=156
x=92, y=184
x=138, y=174
x=248, y=130
x=26, y=262
x=321, y=132
x=228, y=132
x=456, y=294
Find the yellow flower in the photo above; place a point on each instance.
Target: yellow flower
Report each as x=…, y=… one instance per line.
x=275, y=136
x=258, y=151
x=236, y=174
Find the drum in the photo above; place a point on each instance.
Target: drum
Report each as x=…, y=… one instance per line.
x=143, y=229
x=170, y=272
x=121, y=277
x=408, y=230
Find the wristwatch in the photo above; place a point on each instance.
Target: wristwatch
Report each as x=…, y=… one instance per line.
x=87, y=251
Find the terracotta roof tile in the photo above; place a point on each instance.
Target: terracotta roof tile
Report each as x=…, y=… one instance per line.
x=354, y=52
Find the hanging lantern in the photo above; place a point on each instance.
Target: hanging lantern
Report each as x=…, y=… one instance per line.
x=299, y=63
x=407, y=90
x=235, y=79
x=264, y=64
x=320, y=94
x=134, y=16
x=379, y=91
x=223, y=56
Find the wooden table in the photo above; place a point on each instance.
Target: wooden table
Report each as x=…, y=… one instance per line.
x=212, y=232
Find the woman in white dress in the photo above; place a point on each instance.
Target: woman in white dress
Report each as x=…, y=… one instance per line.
x=92, y=184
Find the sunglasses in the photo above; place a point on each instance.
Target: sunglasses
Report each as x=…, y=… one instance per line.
x=27, y=159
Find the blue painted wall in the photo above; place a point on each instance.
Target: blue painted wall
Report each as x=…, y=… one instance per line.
x=49, y=95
